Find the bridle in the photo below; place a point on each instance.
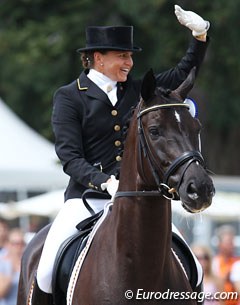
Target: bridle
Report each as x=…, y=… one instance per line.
x=186, y=159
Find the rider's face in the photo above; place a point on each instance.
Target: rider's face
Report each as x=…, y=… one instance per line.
x=114, y=64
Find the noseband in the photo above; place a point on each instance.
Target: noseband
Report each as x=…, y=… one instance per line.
x=186, y=159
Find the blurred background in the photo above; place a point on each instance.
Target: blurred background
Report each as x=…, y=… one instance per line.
x=38, y=46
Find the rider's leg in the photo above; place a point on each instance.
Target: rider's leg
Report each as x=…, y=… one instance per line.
x=64, y=225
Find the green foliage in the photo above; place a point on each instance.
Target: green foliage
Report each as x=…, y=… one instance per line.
x=39, y=39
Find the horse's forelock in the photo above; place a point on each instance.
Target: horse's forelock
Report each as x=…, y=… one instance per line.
x=167, y=95
x=163, y=91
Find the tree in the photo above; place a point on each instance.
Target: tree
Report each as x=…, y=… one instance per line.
x=39, y=39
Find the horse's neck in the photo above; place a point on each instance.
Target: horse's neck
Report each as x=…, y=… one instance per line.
x=142, y=233
x=144, y=219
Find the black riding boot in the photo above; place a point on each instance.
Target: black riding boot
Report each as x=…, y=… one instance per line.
x=40, y=297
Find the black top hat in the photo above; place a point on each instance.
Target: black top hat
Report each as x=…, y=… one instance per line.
x=109, y=38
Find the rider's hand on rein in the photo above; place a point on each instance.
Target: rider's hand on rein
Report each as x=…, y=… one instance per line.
x=193, y=21
x=111, y=186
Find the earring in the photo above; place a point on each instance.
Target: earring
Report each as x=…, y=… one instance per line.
x=101, y=64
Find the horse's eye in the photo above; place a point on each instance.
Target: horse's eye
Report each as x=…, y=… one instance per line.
x=153, y=131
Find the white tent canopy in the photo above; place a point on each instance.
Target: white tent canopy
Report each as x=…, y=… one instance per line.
x=47, y=205
x=225, y=205
x=27, y=160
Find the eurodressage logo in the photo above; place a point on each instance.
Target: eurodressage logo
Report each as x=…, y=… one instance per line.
x=184, y=295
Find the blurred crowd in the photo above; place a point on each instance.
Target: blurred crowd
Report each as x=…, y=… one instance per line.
x=12, y=244
x=221, y=268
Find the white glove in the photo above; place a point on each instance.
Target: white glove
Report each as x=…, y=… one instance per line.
x=194, y=22
x=111, y=186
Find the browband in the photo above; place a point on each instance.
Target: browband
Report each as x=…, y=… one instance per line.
x=156, y=107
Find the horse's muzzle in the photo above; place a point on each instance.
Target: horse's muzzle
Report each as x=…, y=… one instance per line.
x=196, y=192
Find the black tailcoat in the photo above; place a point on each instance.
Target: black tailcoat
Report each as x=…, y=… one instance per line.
x=88, y=128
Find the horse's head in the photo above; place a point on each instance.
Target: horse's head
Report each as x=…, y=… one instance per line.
x=170, y=145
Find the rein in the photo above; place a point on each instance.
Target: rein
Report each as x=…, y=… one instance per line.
x=138, y=194
x=187, y=158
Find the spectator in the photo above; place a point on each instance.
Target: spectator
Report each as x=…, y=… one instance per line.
x=211, y=283
x=10, y=267
x=235, y=277
x=224, y=259
x=3, y=234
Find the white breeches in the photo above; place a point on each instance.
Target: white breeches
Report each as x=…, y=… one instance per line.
x=63, y=226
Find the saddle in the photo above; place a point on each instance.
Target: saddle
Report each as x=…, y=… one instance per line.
x=66, y=258
x=185, y=256
x=71, y=248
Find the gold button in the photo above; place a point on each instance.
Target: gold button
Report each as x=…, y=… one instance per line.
x=90, y=185
x=117, y=143
x=114, y=112
x=117, y=127
x=118, y=158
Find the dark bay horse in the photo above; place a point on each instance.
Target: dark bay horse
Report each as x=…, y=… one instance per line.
x=131, y=260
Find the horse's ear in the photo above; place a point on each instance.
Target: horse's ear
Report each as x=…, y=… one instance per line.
x=187, y=85
x=148, y=86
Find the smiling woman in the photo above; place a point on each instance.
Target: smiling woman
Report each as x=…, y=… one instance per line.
x=89, y=117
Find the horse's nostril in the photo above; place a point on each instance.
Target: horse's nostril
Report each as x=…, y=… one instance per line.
x=196, y=190
x=192, y=191
x=191, y=188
